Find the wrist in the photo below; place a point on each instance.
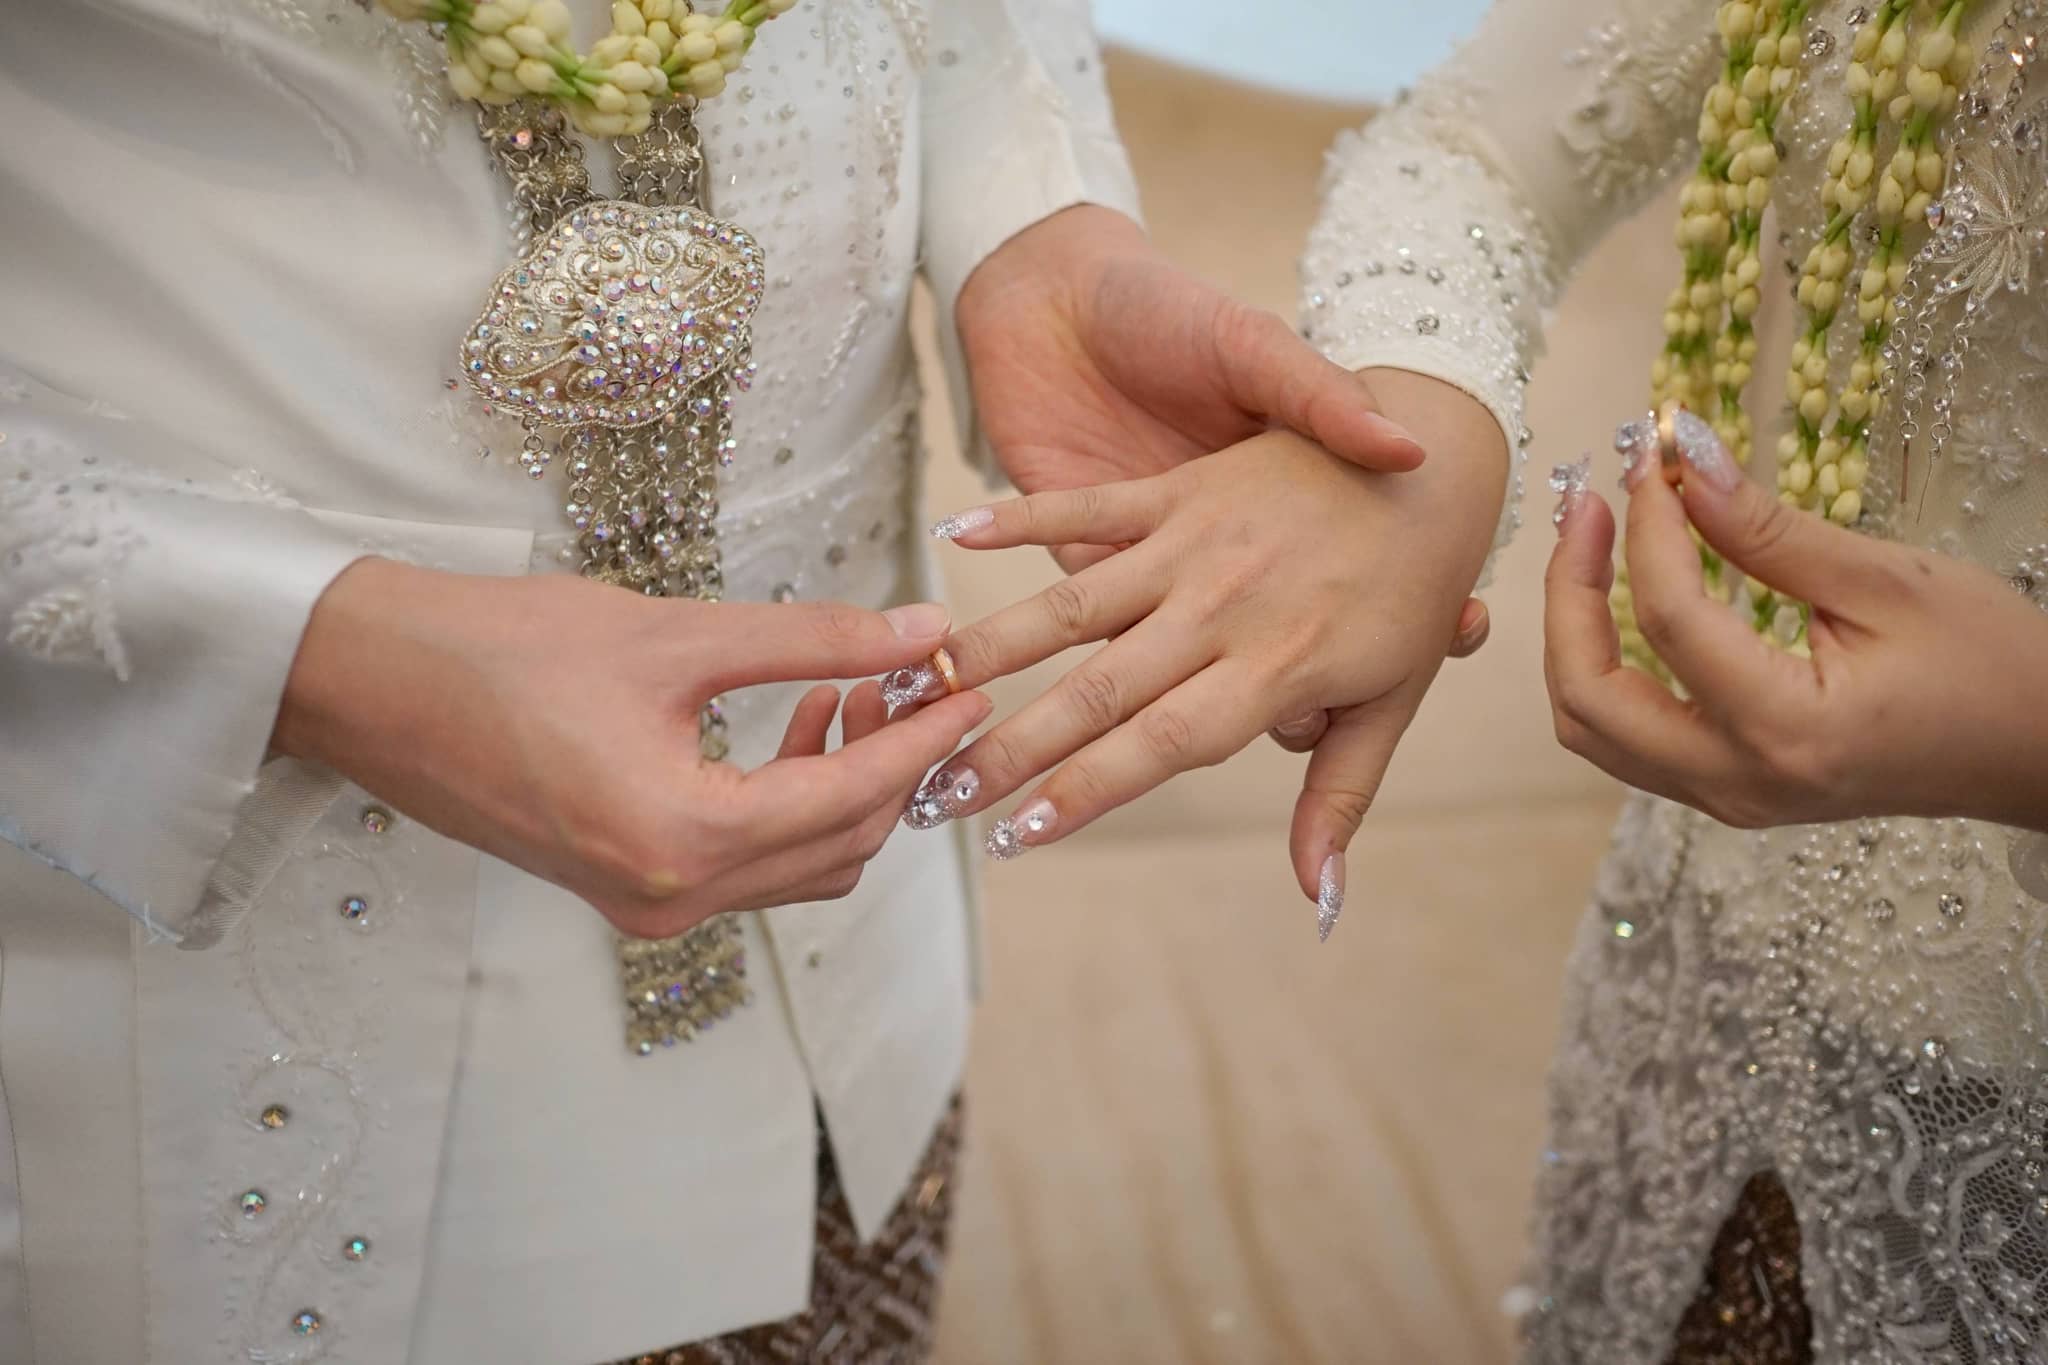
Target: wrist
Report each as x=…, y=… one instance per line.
x=1461, y=487
x=350, y=646
x=1044, y=256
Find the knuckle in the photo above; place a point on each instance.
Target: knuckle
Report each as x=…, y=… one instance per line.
x=998, y=759
x=842, y=884
x=1350, y=804
x=1069, y=606
x=839, y=625
x=1767, y=524
x=1170, y=738
x=1095, y=697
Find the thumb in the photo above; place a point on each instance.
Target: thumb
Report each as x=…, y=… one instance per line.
x=1343, y=777
x=1273, y=374
x=1794, y=551
x=753, y=642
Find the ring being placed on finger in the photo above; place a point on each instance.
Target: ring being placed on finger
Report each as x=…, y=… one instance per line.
x=943, y=662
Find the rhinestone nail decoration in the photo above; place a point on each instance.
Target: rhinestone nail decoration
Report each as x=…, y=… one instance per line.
x=274, y=1117
x=252, y=1203
x=355, y=1249
x=1569, y=482
x=376, y=820
x=1007, y=838
x=354, y=907
x=945, y=796
x=910, y=684
x=305, y=1322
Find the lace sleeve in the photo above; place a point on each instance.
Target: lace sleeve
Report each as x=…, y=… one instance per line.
x=1450, y=223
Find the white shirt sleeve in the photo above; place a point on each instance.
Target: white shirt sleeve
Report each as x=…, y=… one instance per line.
x=1450, y=223
x=152, y=604
x=1016, y=126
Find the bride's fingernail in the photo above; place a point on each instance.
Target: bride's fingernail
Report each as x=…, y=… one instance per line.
x=945, y=796
x=1329, y=896
x=1569, y=482
x=960, y=523
x=918, y=620
x=1636, y=442
x=1701, y=449
x=1024, y=829
x=915, y=683
x=1388, y=430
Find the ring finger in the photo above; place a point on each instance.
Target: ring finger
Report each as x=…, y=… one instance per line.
x=1102, y=692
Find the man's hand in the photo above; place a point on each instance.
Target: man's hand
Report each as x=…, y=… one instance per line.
x=1094, y=359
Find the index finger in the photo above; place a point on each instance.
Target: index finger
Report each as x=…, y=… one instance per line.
x=1710, y=649
x=790, y=800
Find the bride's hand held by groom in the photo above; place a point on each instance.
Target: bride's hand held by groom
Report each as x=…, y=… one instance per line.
x=1253, y=585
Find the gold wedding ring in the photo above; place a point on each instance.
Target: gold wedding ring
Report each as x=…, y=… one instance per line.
x=943, y=662
x=1667, y=443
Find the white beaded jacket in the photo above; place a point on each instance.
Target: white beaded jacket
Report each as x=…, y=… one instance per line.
x=337, y=1088
x=1862, y=1008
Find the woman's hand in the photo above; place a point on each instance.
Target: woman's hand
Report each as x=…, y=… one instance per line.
x=1922, y=695
x=1257, y=584
x=552, y=722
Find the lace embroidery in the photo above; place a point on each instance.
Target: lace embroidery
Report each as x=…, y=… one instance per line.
x=411, y=58
x=63, y=535
x=1633, y=123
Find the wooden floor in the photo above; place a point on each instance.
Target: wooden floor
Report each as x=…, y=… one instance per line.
x=1197, y=1136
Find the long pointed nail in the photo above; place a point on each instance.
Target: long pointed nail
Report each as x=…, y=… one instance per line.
x=915, y=683
x=1021, y=831
x=1329, y=896
x=947, y=795
x=961, y=523
x=1569, y=482
x=1699, y=445
x=1386, y=429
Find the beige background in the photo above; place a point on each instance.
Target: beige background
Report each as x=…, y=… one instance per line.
x=1197, y=1136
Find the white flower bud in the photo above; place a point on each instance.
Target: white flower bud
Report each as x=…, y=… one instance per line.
x=1855, y=469
x=463, y=82
x=1744, y=304
x=490, y=18
x=599, y=124
x=1928, y=171
x=500, y=54
x=627, y=19
x=631, y=76
x=1814, y=406
x=536, y=76
x=1798, y=477
x=697, y=47
x=1857, y=81
x=610, y=51
x=529, y=41
x=732, y=36
x=657, y=10
x=504, y=86
x=608, y=99
x=644, y=52
x=1891, y=49
x=1846, y=508
x=552, y=18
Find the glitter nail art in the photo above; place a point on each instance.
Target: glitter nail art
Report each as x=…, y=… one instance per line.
x=1019, y=833
x=944, y=797
x=1700, y=447
x=1329, y=896
x=960, y=523
x=910, y=684
x=1569, y=482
